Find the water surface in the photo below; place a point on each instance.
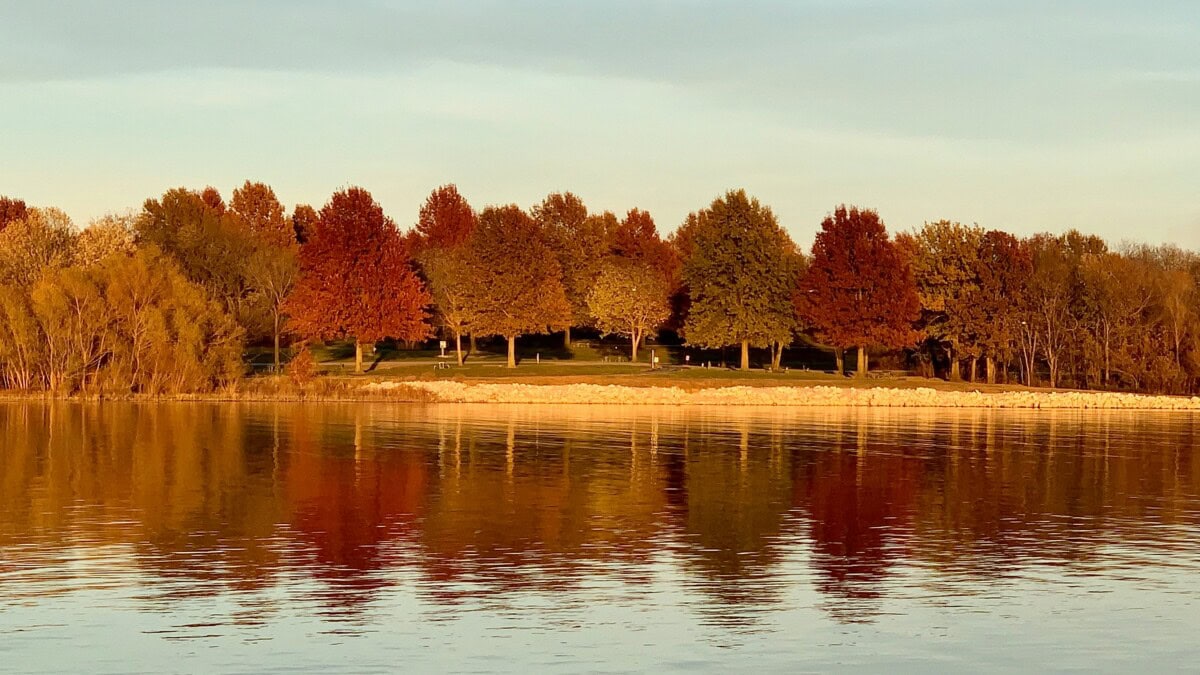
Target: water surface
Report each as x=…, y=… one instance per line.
x=337, y=537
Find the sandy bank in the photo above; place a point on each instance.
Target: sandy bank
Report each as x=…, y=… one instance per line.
x=818, y=396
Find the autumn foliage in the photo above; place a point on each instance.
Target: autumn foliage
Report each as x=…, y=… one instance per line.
x=356, y=281
x=517, y=287
x=187, y=293
x=858, y=290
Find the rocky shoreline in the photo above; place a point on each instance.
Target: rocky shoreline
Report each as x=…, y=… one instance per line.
x=816, y=396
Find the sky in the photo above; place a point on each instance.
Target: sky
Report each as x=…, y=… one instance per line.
x=1023, y=116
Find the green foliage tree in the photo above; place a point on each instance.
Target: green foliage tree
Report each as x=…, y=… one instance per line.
x=740, y=277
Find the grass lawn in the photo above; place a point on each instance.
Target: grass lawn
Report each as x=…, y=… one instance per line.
x=595, y=363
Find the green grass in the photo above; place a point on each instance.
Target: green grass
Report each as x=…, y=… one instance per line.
x=586, y=364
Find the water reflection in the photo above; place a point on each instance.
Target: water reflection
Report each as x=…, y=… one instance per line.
x=729, y=517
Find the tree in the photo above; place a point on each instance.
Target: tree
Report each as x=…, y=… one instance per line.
x=740, y=276
x=168, y=335
x=273, y=271
x=211, y=246
x=943, y=257
x=1050, y=296
x=449, y=272
x=1176, y=298
x=43, y=240
x=71, y=310
x=517, y=287
x=260, y=212
x=106, y=236
x=11, y=210
x=355, y=278
x=579, y=243
x=446, y=220
x=859, y=289
x=1115, y=292
x=21, y=339
x=995, y=313
x=631, y=298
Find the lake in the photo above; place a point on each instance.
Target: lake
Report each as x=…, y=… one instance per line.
x=385, y=537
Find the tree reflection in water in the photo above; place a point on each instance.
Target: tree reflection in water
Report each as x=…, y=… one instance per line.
x=731, y=514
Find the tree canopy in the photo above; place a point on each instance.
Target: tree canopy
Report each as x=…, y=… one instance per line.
x=859, y=289
x=356, y=281
x=517, y=285
x=740, y=276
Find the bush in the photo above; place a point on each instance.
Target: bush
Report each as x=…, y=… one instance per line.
x=303, y=367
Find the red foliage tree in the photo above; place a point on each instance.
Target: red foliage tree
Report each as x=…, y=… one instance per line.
x=355, y=278
x=636, y=238
x=446, y=220
x=11, y=210
x=858, y=289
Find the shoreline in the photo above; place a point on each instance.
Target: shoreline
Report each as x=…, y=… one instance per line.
x=818, y=396
x=786, y=396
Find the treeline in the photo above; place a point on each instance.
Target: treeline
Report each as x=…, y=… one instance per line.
x=166, y=299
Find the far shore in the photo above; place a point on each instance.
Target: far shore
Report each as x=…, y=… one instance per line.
x=810, y=390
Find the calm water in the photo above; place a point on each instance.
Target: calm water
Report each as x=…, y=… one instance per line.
x=384, y=537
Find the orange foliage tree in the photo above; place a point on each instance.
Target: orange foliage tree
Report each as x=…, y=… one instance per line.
x=517, y=287
x=858, y=289
x=260, y=211
x=355, y=278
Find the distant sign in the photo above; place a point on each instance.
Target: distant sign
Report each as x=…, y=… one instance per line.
x=442, y=344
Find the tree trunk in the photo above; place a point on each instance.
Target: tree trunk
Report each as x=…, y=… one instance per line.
x=862, y=361
x=745, y=355
x=471, y=348
x=567, y=338
x=358, y=356
x=955, y=373
x=1107, y=362
x=840, y=357
x=512, y=351
x=458, y=347
x=991, y=370
x=974, y=365
x=634, y=339
x=777, y=356
x=277, y=342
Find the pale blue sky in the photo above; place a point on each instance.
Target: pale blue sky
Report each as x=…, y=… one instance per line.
x=1024, y=116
